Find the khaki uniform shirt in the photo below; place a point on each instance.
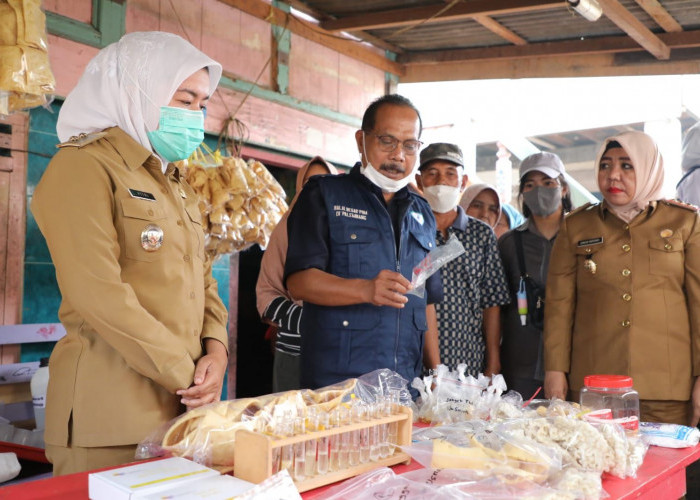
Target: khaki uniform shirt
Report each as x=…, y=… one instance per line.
x=135, y=319
x=639, y=313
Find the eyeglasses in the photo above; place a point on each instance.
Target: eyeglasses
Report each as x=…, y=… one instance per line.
x=388, y=143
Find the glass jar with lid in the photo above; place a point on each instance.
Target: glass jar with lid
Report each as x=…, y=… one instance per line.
x=614, y=393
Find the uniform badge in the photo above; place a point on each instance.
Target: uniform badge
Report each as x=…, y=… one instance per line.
x=141, y=195
x=151, y=238
x=590, y=242
x=666, y=233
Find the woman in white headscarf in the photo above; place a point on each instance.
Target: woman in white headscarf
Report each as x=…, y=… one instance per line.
x=145, y=328
x=623, y=288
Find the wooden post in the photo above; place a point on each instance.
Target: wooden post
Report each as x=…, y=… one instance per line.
x=232, y=325
x=13, y=211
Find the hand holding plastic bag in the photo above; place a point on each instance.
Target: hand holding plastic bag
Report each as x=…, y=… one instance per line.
x=432, y=262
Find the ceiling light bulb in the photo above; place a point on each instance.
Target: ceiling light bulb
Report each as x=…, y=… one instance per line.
x=590, y=9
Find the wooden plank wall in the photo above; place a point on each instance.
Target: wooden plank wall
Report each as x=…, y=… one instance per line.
x=243, y=44
x=13, y=188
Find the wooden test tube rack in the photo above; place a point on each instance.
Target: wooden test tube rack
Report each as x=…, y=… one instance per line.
x=252, y=455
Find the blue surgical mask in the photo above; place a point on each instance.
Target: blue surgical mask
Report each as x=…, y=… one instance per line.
x=180, y=131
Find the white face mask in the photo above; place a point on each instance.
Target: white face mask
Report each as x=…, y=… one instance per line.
x=442, y=199
x=377, y=178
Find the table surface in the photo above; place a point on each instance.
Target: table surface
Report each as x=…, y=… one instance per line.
x=661, y=476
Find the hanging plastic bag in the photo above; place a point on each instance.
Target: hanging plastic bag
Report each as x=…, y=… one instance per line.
x=26, y=79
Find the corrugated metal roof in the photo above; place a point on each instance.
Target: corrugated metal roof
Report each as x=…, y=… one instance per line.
x=544, y=23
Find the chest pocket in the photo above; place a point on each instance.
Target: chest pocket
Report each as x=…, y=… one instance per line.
x=137, y=216
x=413, y=253
x=354, y=253
x=666, y=256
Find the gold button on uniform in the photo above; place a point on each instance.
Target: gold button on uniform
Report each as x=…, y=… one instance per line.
x=346, y=323
x=186, y=258
x=179, y=223
x=626, y=248
x=626, y=272
x=626, y=297
x=625, y=323
x=353, y=236
x=668, y=246
x=626, y=227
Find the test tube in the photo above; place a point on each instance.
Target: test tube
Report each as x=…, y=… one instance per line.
x=274, y=431
x=299, y=450
x=393, y=426
x=375, y=444
x=385, y=411
x=322, y=453
x=287, y=452
x=311, y=423
x=356, y=417
x=334, y=445
x=344, y=415
x=364, y=434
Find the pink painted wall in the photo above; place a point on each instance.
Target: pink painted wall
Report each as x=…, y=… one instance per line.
x=80, y=10
x=242, y=43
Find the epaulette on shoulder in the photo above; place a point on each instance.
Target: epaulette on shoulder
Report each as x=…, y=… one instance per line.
x=680, y=204
x=78, y=141
x=582, y=208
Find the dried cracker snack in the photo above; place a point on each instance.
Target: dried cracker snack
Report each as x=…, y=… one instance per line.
x=241, y=202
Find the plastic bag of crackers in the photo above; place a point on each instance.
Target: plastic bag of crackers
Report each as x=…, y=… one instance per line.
x=26, y=79
x=241, y=202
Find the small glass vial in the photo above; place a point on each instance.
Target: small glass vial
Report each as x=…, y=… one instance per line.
x=613, y=393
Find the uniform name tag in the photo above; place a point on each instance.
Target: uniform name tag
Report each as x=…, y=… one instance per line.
x=589, y=242
x=143, y=195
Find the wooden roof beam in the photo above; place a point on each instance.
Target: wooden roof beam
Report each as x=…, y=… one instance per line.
x=602, y=45
x=462, y=10
x=353, y=49
x=628, y=23
x=659, y=14
x=500, y=30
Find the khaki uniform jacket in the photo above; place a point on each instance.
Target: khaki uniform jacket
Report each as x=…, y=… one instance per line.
x=135, y=320
x=639, y=314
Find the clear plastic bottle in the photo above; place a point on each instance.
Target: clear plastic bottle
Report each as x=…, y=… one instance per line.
x=614, y=393
x=38, y=385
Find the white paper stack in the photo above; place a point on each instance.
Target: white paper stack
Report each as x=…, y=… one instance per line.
x=209, y=488
x=148, y=478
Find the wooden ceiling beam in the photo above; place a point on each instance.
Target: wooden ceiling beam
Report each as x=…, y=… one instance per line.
x=628, y=23
x=353, y=49
x=500, y=30
x=362, y=35
x=659, y=14
x=462, y=10
x=602, y=45
x=586, y=65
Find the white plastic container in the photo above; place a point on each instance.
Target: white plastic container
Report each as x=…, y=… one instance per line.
x=38, y=385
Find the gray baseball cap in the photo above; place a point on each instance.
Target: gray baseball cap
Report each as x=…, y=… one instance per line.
x=441, y=151
x=547, y=163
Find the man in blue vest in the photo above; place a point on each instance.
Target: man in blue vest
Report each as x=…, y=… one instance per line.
x=353, y=243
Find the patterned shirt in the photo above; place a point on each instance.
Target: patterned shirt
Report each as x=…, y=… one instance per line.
x=471, y=283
